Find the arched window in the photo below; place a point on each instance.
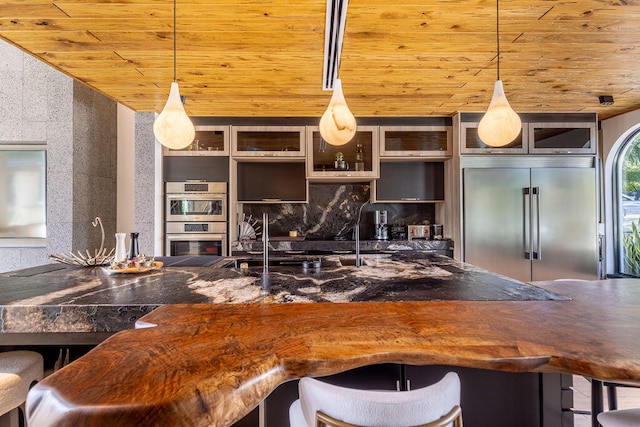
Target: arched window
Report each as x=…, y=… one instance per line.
x=627, y=204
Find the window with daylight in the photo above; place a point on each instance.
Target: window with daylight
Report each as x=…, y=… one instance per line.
x=627, y=201
x=23, y=184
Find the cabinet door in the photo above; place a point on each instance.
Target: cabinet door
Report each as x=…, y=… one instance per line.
x=326, y=162
x=415, y=141
x=410, y=182
x=271, y=182
x=470, y=142
x=209, y=141
x=562, y=138
x=261, y=141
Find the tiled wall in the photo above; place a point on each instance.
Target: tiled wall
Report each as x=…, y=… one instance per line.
x=94, y=167
x=332, y=213
x=146, y=187
x=40, y=104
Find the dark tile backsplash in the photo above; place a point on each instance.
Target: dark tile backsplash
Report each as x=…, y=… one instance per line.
x=332, y=212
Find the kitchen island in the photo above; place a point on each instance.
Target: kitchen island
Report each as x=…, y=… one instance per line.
x=56, y=298
x=209, y=362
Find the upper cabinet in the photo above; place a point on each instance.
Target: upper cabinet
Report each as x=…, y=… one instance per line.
x=264, y=141
x=209, y=141
x=271, y=182
x=415, y=141
x=355, y=161
x=542, y=133
x=410, y=181
x=470, y=142
x=562, y=138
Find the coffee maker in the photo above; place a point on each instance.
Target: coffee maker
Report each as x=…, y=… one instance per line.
x=380, y=225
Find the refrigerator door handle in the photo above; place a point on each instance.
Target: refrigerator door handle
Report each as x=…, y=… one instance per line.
x=526, y=229
x=537, y=254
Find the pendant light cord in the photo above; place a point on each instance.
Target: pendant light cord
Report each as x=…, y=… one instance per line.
x=498, y=35
x=174, y=41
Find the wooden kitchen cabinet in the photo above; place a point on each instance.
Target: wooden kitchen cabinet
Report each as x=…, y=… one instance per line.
x=271, y=182
x=542, y=133
x=322, y=157
x=410, y=182
x=209, y=141
x=470, y=142
x=268, y=141
x=562, y=138
x=415, y=141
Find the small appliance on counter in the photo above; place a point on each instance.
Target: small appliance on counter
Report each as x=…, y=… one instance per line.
x=419, y=231
x=398, y=232
x=437, y=231
x=380, y=225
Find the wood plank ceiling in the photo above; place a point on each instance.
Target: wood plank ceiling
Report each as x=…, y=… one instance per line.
x=406, y=58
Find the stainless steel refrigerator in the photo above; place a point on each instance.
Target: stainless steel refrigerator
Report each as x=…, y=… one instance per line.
x=532, y=218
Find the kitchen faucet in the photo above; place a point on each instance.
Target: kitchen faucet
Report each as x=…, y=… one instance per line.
x=357, y=233
x=265, y=242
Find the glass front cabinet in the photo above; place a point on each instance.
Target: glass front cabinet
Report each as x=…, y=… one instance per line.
x=209, y=141
x=540, y=134
x=562, y=138
x=268, y=141
x=415, y=141
x=470, y=142
x=356, y=160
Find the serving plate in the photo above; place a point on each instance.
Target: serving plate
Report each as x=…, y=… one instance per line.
x=134, y=270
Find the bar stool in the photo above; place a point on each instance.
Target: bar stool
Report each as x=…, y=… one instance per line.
x=323, y=404
x=19, y=370
x=620, y=418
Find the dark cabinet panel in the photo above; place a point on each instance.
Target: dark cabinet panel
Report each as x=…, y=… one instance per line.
x=207, y=168
x=410, y=181
x=271, y=181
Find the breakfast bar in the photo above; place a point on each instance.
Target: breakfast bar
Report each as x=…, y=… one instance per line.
x=240, y=332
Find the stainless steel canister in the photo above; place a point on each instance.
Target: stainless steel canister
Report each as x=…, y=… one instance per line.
x=437, y=231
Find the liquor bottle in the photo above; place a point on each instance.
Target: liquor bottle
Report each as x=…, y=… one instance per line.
x=359, y=158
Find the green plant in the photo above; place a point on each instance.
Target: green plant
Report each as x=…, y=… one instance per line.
x=632, y=249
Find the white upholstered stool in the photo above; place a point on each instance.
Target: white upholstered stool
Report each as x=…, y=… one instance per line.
x=620, y=418
x=19, y=370
x=328, y=404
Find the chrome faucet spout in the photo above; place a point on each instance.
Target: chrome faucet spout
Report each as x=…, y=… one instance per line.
x=357, y=233
x=265, y=242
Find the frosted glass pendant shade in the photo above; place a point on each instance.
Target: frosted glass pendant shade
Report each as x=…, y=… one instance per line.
x=500, y=125
x=337, y=124
x=172, y=127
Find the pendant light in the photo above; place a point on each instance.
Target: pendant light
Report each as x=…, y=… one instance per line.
x=500, y=125
x=337, y=124
x=172, y=127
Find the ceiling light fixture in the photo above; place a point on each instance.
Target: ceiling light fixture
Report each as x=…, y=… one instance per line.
x=500, y=125
x=337, y=124
x=172, y=127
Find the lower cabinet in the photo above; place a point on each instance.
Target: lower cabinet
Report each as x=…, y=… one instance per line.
x=489, y=398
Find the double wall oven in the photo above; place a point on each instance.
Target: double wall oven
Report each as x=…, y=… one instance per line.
x=196, y=218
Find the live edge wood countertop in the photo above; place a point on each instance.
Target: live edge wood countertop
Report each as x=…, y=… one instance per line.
x=209, y=364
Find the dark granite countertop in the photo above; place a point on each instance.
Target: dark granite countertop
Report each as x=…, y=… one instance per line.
x=57, y=298
x=285, y=244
